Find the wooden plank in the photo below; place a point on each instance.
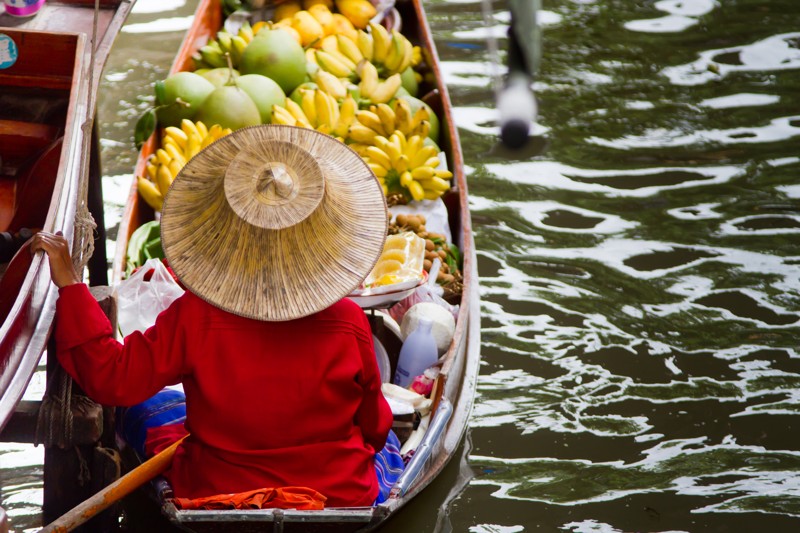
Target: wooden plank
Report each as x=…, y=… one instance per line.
x=49, y=57
x=23, y=140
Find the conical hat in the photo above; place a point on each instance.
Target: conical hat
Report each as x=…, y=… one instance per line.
x=274, y=222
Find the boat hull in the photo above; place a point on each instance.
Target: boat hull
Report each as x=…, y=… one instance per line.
x=455, y=388
x=44, y=107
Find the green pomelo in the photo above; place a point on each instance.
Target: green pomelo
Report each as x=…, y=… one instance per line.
x=264, y=92
x=230, y=107
x=191, y=88
x=276, y=55
x=409, y=81
x=297, y=94
x=415, y=104
x=219, y=76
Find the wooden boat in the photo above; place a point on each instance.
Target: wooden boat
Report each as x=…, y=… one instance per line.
x=455, y=386
x=44, y=104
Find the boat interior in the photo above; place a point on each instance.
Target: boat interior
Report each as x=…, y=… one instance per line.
x=35, y=96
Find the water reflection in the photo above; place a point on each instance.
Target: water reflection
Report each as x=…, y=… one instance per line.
x=639, y=267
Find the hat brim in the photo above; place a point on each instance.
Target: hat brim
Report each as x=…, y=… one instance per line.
x=274, y=274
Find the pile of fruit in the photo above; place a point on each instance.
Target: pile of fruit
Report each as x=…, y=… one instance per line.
x=321, y=64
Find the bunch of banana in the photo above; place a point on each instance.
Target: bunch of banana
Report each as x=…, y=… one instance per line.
x=406, y=166
x=178, y=145
x=391, y=53
x=374, y=89
x=319, y=111
x=212, y=55
x=384, y=119
x=310, y=25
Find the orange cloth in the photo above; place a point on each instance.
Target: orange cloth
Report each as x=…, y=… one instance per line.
x=300, y=498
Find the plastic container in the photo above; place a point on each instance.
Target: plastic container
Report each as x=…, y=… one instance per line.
x=23, y=8
x=419, y=352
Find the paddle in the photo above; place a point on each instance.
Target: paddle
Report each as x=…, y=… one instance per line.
x=112, y=493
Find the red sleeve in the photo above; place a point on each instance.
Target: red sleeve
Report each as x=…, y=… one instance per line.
x=110, y=372
x=374, y=416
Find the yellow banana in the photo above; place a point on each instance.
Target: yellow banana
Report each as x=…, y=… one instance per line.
x=365, y=44
x=386, y=89
x=416, y=56
x=189, y=127
x=402, y=113
x=164, y=179
x=361, y=134
x=151, y=171
x=246, y=32
x=421, y=114
x=309, y=107
x=387, y=117
x=408, y=56
x=150, y=193
x=327, y=61
x=347, y=114
x=378, y=156
x=162, y=156
x=330, y=84
x=413, y=145
x=423, y=155
x=416, y=190
x=329, y=43
x=174, y=154
x=381, y=42
x=194, y=145
x=177, y=134
x=349, y=49
x=281, y=115
x=237, y=48
x=201, y=128
x=392, y=149
x=175, y=167
x=437, y=184
x=371, y=120
x=422, y=173
x=208, y=140
x=369, y=78
x=396, y=53
x=297, y=113
x=327, y=110
x=444, y=174
x=214, y=132
x=378, y=170
x=406, y=179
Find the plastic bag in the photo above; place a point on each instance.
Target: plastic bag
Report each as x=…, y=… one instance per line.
x=427, y=292
x=139, y=302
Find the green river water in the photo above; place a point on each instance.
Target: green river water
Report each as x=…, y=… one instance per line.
x=639, y=263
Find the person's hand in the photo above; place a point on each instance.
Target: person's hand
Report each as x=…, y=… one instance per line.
x=55, y=246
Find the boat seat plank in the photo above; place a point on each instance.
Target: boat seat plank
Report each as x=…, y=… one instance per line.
x=46, y=60
x=20, y=141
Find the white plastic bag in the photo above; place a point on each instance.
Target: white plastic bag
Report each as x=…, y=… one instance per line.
x=139, y=302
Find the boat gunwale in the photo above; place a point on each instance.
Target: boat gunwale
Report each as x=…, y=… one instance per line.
x=37, y=291
x=461, y=362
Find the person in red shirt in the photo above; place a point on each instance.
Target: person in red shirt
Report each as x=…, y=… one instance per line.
x=281, y=381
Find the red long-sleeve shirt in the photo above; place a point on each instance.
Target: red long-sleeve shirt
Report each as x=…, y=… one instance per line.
x=269, y=404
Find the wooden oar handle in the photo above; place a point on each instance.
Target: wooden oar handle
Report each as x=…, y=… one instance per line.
x=113, y=492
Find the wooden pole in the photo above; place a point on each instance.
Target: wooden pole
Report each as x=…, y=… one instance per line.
x=113, y=493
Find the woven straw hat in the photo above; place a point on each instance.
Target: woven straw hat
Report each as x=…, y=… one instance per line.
x=274, y=222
